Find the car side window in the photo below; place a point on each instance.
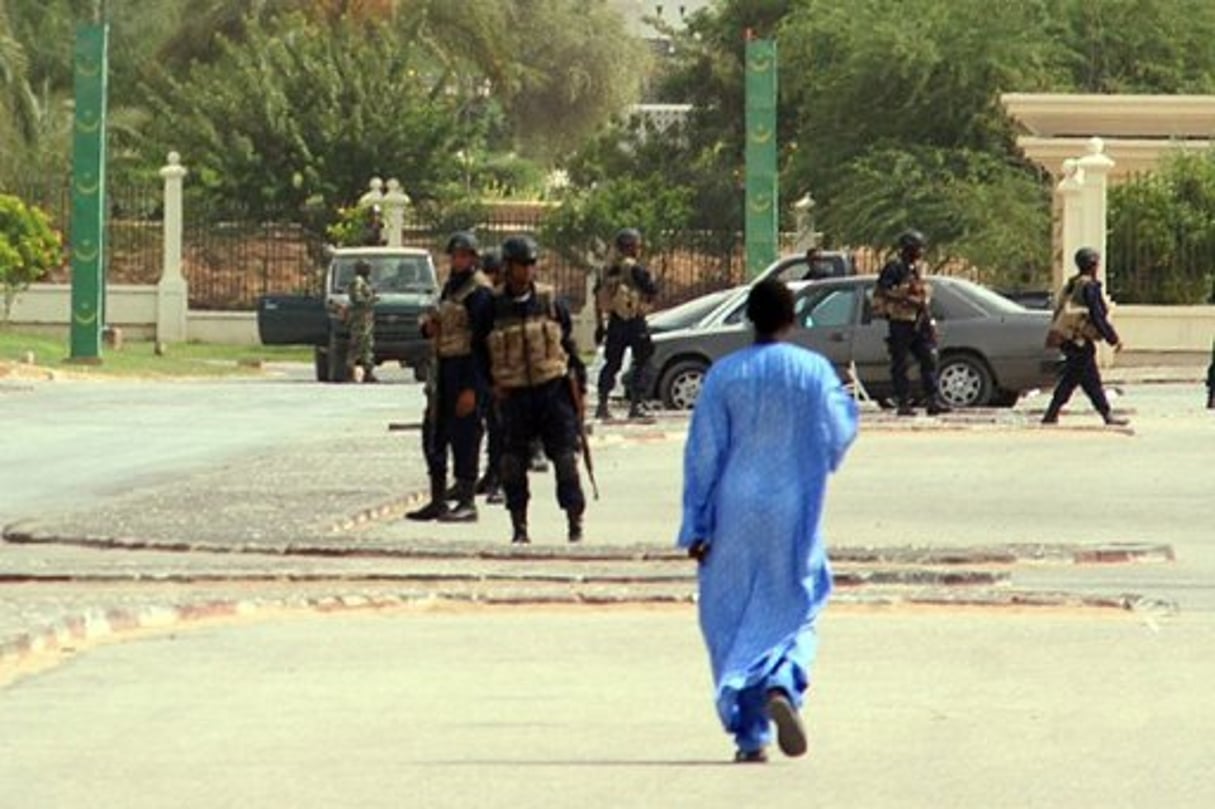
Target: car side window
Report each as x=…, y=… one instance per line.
x=832, y=309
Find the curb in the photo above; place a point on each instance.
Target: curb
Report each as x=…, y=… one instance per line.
x=25, y=533
x=102, y=624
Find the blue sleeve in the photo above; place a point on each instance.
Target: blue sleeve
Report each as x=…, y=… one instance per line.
x=890, y=276
x=1095, y=302
x=644, y=281
x=703, y=461
x=480, y=306
x=839, y=418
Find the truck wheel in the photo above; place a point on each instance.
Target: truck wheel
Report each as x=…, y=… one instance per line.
x=337, y=359
x=320, y=361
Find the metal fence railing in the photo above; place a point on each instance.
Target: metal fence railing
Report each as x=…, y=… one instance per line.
x=230, y=257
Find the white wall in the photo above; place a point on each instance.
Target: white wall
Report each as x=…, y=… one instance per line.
x=45, y=307
x=1165, y=328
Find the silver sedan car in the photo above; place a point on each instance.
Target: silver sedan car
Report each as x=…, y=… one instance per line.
x=991, y=349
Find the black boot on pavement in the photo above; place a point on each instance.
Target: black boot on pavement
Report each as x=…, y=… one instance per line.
x=466, y=506
x=574, y=521
x=603, y=413
x=437, y=506
x=518, y=522
x=1114, y=421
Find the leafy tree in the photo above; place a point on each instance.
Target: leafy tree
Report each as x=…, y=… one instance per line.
x=582, y=228
x=297, y=114
x=1162, y=234
x=29, y=248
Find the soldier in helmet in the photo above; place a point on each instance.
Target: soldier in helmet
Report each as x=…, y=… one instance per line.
x=904, y=298
x=1080, y=321
x=623, y=296
x=458, y=329
x=533, y=355
x=360, y=317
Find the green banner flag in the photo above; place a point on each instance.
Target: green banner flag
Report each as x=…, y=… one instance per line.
x=88, y=192
x=762, y=215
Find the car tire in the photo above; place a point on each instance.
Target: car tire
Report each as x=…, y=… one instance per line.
x=320, y=363
x=681, y=383
x=964, y=380
x=337, y=359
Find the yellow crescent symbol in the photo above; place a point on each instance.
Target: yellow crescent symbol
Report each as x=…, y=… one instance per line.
x=84, y=255
x=85, y=319
x=88, y=123
x=88, y=189
x=88, y=67
x=761, y=64
x=761, y=205
x=762, y=134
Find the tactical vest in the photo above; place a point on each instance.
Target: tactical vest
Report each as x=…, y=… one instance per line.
x=455, y=334
x=1071, y=322
x=907, y=301
x=526, y=351
x=619, y=294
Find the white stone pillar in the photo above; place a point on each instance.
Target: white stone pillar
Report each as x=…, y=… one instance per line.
x=172, y=293
x=374, y=194
x=1095, y=167
x=395, y=202
x=1071, y=232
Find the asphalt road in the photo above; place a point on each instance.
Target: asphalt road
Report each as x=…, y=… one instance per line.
x=70, y=443
x=613, y=708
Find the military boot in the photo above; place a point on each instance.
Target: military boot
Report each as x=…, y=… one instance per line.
x=437, y=506
x=518, y=522
x=1114, y=421
x=638, y=411
x=602, y=413
x=466, y=506
x=574, y=522
x=936, y=407
x=1211, y=399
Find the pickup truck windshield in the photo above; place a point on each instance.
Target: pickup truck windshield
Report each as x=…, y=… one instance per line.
x=389, y=274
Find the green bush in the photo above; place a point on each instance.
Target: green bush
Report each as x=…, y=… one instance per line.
x=29, y=248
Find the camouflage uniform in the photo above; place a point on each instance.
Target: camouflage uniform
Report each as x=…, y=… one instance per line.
x=360, y=316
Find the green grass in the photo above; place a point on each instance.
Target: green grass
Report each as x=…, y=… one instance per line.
x=140, y=359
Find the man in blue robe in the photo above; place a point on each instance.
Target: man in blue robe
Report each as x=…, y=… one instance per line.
x=771, y=423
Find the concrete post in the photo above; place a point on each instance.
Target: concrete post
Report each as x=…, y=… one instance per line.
x=1070, y=192
x=1095, y=167
x=395, y=202
x=374, y=193
x=172, y=293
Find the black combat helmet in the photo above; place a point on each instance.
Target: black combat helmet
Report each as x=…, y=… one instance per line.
x=628, y=239
x=491, y=261
x=462, y=240
x=520, y=250
x=912, y=239
x=362, y=267
x=1087, y=259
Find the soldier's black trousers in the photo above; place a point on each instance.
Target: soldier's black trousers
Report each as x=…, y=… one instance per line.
x=1079, y=370
x=462, y=434
x=907, y=339
x=545, y=412
x=493, y=437
x=634, y=335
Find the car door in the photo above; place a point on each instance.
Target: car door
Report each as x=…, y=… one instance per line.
x=826, y=316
